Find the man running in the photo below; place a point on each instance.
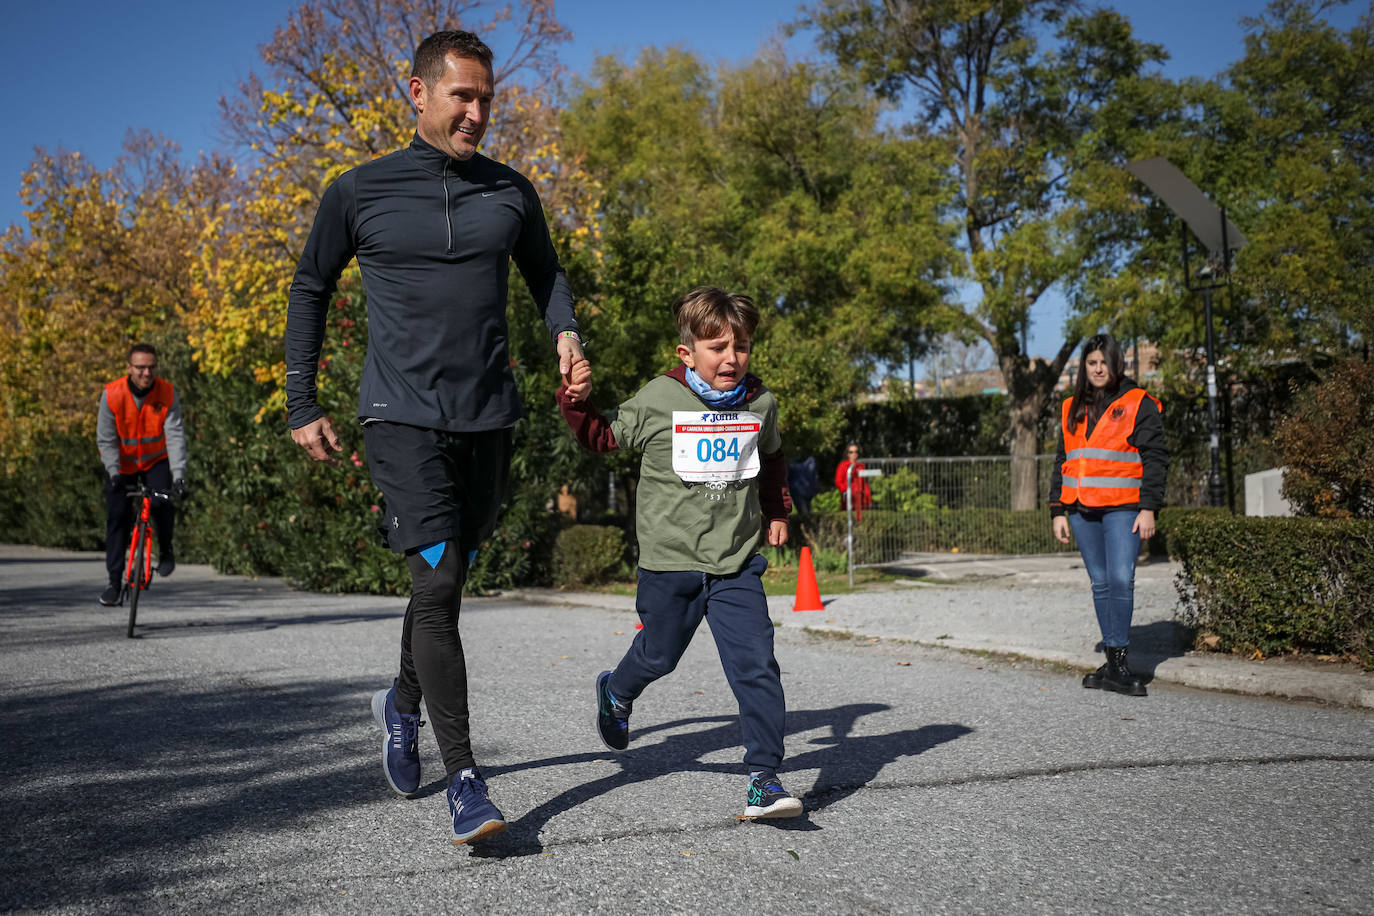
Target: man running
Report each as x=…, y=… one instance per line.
x=433, y=226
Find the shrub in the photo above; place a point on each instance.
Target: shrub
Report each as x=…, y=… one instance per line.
x=828, y=501
x=1327, y=445
x=1166, y=524
x=588, y=554
x=900, y=491
x=1278, y=585
x=54, y=497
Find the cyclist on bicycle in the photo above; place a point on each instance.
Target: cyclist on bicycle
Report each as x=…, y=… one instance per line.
x=138, y=429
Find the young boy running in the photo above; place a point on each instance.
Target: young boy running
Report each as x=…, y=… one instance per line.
x=712, y=472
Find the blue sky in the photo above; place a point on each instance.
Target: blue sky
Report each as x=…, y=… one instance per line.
x=79, y=73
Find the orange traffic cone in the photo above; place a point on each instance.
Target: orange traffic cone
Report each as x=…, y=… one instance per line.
x=808, y=592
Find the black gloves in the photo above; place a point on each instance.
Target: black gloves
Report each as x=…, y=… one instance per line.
x=179, y=488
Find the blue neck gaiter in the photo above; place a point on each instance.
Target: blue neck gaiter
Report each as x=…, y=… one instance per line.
x=712, y=396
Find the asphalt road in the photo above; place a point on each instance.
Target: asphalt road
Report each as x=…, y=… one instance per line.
x=226, y=761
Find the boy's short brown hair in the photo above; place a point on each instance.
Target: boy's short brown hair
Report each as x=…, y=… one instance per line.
x=707, y=311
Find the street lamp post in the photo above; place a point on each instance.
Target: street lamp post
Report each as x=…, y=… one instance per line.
x=1216, y=493
x=1219, y=237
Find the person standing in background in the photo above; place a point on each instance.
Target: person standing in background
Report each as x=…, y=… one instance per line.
x=1107, y=487
x=855, y=488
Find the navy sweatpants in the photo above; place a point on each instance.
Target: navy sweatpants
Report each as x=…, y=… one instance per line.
x=671, y=605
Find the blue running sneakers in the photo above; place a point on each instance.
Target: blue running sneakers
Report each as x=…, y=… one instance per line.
x=400, y=746
x=767, y=798
x=612, y=718
x=474, y=816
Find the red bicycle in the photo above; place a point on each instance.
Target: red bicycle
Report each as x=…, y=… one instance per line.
x=138, y=568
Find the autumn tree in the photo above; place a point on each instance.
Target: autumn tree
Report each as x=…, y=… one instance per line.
x=104, y=260
x=1014, y=88
x=334, y=95
x=1327, y=445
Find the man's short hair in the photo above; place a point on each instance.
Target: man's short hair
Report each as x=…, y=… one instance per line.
x=142, y=348
x=432, y=52
x=707, y=311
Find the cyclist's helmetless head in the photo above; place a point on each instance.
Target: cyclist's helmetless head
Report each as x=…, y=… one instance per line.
x=142, y=365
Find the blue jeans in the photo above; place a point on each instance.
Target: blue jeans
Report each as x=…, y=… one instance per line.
x=1109, y=549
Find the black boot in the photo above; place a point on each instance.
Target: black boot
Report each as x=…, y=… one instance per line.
x=1119, y=677
x=1096, y=680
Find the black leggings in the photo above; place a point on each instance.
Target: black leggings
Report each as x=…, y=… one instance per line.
x=121, y=512
x=432, y=662
x=438, y=487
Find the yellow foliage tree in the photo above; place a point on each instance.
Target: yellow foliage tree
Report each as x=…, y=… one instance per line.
x=105, y=260
x=336, y=97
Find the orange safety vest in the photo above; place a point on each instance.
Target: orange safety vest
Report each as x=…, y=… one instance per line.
x=1104, y=469
x=142, y=441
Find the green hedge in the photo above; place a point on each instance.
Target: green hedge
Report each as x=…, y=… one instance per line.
x=1278, y=585
x=55, y=497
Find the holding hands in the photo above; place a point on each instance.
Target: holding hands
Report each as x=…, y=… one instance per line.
x=578, y=378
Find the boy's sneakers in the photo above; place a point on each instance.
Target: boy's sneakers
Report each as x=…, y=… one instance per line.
x=474, y=816
x=400, y=747
x=767, y=798
x=110, y=597
x=166, y=563
x=612, y=718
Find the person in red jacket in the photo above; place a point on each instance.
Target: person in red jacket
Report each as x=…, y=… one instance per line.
x=1107, y=486
x=859, y=496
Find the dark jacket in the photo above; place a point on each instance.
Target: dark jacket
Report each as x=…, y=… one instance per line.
x=434, y=238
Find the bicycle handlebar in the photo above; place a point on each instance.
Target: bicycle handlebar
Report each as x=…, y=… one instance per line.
x=143, y=489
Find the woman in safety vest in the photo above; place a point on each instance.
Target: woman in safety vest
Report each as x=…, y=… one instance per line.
x=1108, y=484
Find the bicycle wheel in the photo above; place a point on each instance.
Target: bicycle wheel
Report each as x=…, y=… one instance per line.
x=135, y=582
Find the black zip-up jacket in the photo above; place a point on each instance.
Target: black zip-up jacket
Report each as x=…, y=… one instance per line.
x=1147, y=438
x=434, y=237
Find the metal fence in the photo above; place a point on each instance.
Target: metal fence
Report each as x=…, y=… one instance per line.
x=924, y=505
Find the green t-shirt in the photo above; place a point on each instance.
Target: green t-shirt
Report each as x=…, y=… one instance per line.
x=698, y=502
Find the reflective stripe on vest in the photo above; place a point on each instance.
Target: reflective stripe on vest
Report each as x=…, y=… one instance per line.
x=1103, y=469
x=142, y=440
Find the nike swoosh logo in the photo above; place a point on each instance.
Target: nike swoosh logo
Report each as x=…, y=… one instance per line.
x=488, y=193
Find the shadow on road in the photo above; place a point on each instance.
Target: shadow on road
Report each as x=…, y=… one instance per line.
x=108, y=790
x=28, y=561
x=168, y=609
x=846, y=762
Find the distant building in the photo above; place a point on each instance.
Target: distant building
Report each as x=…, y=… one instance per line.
x=1142, y=364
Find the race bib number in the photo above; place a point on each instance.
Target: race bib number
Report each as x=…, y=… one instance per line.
x=710, y=446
